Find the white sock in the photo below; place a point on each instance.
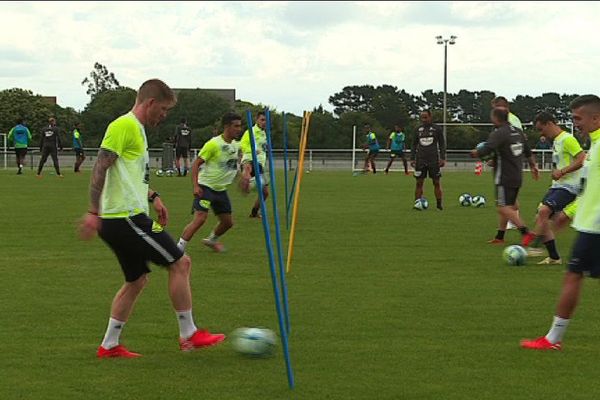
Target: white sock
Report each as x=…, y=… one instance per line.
x=212, y=237
x=111, y=337
x=182, y=243
x=556, y=333
x=186, y=324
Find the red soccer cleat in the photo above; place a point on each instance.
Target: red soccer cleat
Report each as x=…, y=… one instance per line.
x=496, y=241
x=117, y=351
x=540, y=343
x=527, y=239
x=200, y=338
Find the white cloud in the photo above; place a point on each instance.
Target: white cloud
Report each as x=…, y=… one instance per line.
x=293, y=56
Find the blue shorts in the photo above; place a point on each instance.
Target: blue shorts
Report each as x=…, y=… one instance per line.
x=396, y=153
x=585, y=256
x=218, y=201
x=373, y=152
x=557, y=199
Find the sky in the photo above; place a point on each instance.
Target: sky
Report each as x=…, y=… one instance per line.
x=292, y=56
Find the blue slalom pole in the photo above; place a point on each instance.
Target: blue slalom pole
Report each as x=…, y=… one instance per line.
x=263, y=210
x=282, y=280
x=285, y=171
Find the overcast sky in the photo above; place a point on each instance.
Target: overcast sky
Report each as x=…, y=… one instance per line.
x=293, y=55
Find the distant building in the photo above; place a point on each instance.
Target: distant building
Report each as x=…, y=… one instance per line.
x=227, y=94
x=50, y=100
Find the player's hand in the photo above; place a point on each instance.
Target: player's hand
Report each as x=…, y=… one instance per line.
x=197, y=191
x=161, y=211
x=89, y=225
x=413, y=163
x=557, y=174
x=474, y=153
x=442, y=163
x=535, y=173
x=245, y=184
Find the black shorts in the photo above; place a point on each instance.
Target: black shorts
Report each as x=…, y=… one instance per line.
x=557, y=199
x=218, y=201
x=431, y=169
x=585, y=256
x=260, y=169
x=79, y=152
x=506, y=196
x=182, y=152
x=21, y=152
x=396, y=153
x=136, y=241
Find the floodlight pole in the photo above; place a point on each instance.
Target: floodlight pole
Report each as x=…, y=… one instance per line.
x=445, y=42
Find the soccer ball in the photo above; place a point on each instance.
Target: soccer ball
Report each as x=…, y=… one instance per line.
x=465, y=200
x=478, y=201
x=160, y=172
x=480, y=147
x=421, y=204
x=169, y=172
x=255, y=342
x=514, y=255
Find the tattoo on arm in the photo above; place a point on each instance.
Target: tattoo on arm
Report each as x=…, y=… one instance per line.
x=105, y=159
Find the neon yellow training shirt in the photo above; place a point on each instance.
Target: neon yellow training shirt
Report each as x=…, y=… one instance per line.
x=587, y=218
x=126, y=188
x=260, y=137
x=220, y=163
x=564, y=149
x=514, y=121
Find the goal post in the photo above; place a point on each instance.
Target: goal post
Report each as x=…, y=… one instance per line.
x=4, y=138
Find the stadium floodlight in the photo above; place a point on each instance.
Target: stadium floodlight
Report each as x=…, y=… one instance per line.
x=441, y=40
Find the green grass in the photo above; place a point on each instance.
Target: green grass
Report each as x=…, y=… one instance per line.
x=386, y=302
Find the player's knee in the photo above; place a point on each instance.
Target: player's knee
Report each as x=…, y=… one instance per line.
x=183, y=265
x=140, y=283
x=545, y=212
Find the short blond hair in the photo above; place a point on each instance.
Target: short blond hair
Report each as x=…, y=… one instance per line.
x=155, y=89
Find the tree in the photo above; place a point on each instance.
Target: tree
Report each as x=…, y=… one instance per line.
x=100, y=80
x=21, y=103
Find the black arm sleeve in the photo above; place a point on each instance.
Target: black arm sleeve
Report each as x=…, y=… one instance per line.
x=441, y=143
x=413, y=149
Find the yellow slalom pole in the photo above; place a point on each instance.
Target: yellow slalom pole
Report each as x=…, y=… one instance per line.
x=303, y=141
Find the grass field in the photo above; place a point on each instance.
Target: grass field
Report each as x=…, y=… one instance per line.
x=386, y=302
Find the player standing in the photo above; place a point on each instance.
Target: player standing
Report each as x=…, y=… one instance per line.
x=49, y=146
x=183, y=143
x=396, y=140
x=78, y=147
x=585, y=256
x=428, y=155
x=372, y=147
x=21, y=137
x=219, y=157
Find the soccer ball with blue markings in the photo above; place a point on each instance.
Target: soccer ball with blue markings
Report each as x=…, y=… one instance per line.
x=160, y=173
x=515, y=255
x=421, y=204
x=480, y=147
x=478, y=201
x=254, y=342
x=465, y=200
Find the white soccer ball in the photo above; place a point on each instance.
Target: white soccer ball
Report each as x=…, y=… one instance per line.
x=465, y=200
x=421, y=204
x=515, y=255
x=160, y=172
x=478, y=201
x=256, y=342
x=169, y=173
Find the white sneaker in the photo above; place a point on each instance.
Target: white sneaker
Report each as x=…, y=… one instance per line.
x=550, y=261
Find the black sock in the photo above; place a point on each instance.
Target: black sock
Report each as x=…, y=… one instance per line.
x=500, y=235
x=551, y=247
x=254, y=211
x=523, y=230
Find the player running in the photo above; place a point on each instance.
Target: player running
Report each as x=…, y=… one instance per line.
x=567, y=160
x=219, y=156
x=21, y=137
x=260, y=138
x=585, y=256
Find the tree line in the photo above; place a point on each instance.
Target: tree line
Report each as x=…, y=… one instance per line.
x=380, y=106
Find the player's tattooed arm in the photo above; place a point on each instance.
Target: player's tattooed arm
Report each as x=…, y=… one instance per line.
x=105, y=160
